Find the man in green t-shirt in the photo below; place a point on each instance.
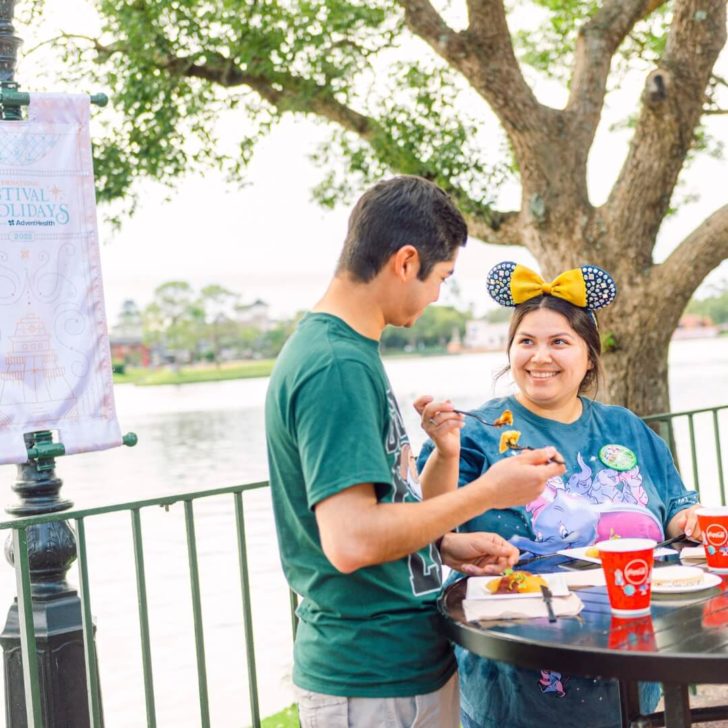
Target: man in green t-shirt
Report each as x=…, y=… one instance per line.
x=357, y=542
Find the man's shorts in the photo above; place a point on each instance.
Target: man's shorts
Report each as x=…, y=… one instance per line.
x=440, y=709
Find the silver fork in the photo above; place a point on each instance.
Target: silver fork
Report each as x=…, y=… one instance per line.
x=477, y=417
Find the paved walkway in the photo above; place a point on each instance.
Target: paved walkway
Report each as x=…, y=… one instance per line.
x=708, y=695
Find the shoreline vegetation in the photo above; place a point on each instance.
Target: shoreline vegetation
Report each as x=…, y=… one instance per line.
x=252, y=368
x=243, y=369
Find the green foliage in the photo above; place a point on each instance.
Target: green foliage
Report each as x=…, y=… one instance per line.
x=499, y=315
x=609, y=342
x=714, y=306
x=196, y=373
x=174, y=70
x=551, y=49
x=188, y=326
x=421, y=130
x=287, y=718
x=434, y=329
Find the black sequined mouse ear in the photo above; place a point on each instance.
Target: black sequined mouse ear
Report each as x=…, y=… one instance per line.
x=601, y=289
x=499, y=283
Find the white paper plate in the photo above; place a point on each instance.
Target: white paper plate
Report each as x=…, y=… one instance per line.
x=580, y=553
x=709, y=581
x=476, y=588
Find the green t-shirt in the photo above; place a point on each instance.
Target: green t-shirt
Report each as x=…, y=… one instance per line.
x=332, y=422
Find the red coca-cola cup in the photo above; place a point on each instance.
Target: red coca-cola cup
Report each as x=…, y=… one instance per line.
x=713, y=523
x=627, y=564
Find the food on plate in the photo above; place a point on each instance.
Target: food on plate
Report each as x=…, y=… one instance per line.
x=516, y=582
x=674, y=577
x=505, y=418
x=508, y=439
x=593, y=552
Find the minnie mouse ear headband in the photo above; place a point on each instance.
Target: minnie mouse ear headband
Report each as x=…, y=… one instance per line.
x=587, y=287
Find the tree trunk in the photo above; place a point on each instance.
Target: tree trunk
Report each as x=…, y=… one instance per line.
x=636, y=369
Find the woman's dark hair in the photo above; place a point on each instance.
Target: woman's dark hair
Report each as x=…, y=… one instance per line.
x=401, y=211
x=581, y=320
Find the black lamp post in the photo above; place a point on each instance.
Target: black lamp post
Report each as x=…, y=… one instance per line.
x=57, y=615
x=9, y=44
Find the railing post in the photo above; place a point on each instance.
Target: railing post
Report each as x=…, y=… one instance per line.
x=57, y=615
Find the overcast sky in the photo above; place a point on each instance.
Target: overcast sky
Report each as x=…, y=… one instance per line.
x=270, y=241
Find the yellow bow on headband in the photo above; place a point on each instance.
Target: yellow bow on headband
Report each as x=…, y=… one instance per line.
x=527, y=284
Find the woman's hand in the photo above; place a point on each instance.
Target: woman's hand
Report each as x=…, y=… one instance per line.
x=477, y=554
x=441, y=424
x=686, y=521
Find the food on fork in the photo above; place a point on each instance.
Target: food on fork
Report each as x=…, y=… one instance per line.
x=505, y=418
x=509, y=439
x=674, y=577
x=516, y=582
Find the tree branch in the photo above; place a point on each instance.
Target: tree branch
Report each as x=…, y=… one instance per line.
x=484, y=55
x=676, y=279
x=499, y=228
x=596, y=44
x=672, y=104
x=288, y=93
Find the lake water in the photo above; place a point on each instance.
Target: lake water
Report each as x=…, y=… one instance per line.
x=203, y=436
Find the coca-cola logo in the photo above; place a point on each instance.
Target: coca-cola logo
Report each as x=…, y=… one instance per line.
x=716, y=534
x=636, y=572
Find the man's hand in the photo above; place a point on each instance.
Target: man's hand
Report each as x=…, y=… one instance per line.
x=477, y=554
x=686, y=521
x=441, y=424
x=519, y=479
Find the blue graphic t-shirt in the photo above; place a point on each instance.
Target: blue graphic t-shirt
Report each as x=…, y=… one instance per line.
x=620, y=481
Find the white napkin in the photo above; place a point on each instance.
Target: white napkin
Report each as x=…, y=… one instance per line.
x=693, y=553
x=481, y=609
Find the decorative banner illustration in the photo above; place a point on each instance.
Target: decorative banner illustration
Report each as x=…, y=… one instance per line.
x=55, y=363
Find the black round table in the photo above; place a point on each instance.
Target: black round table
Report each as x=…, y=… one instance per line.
x=684, y=641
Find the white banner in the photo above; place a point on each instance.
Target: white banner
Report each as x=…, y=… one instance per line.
x=55, y=363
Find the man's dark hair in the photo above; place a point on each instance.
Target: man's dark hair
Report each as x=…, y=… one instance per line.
x=396, y=212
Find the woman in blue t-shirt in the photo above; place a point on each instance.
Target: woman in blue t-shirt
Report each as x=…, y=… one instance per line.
x=620, y=481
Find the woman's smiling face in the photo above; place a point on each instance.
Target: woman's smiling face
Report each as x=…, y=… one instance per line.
x=549, y=361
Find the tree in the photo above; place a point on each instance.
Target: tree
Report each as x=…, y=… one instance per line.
x=714, y=306
x=218, y=304
x=400, y=105
x=434, y=329
x=174, y=318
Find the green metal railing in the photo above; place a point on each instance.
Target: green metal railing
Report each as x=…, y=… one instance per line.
x=28, y=642
x=681, y=430
x=684, y=444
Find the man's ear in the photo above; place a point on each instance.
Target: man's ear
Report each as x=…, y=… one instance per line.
x=406, y=262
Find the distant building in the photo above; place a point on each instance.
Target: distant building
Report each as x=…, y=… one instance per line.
x=694, y=326
x=455, y=345
x=485, y=336
x=254, y=314
x=127, y=337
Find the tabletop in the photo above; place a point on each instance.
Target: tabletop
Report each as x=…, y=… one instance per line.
x=686, y=633
x=684, y=639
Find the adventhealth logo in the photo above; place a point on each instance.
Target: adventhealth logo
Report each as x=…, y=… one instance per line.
x=27, y=205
